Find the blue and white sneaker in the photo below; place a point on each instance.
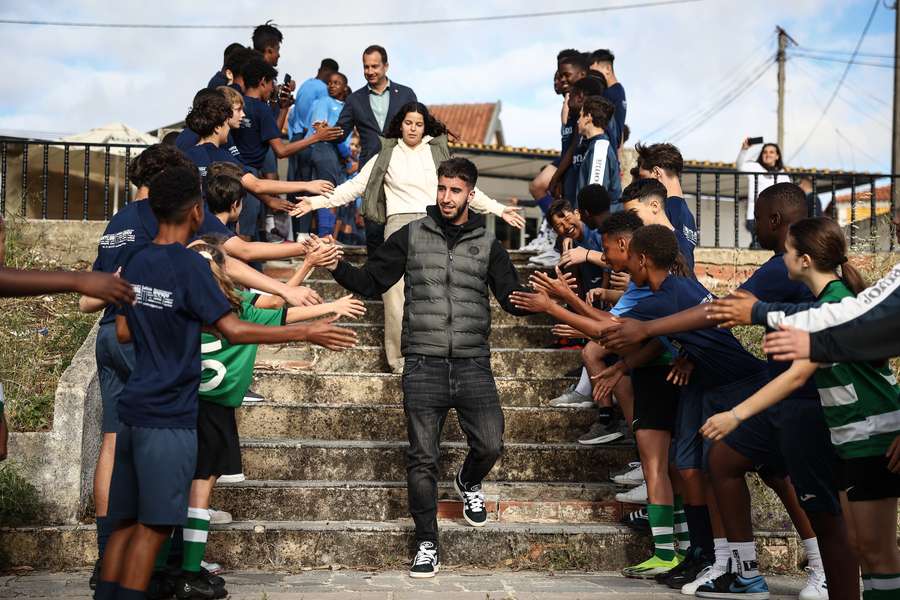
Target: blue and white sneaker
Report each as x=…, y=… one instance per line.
x=732, y=585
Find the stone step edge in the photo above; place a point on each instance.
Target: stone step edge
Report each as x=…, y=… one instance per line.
x=397, y=406
x=396, y=444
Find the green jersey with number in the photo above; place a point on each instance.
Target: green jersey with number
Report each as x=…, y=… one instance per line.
x=861, y=401
x=227, y=370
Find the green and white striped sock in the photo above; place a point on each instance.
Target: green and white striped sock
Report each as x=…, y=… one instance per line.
x=881, y=586
x=196, y=533
x=682, y=533
x=661, y=524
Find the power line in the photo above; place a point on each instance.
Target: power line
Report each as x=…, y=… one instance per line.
x=841, y=60
x=840, y=82
x=860, y=93
x=846, y=52
x=443, y=21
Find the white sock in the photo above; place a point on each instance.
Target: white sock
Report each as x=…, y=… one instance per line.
x=812, y=554
x=584, y=384
x=722, y=552
x=744, y=554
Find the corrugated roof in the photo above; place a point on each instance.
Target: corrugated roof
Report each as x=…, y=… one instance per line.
x=471, y=123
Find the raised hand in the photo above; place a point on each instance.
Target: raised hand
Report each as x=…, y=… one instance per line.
x=537, y=302
x=301, y=208
x=348, y=306
x=512, y=217
x=732, y=311
x=560, y=287
x=573, y=256
x=324, y=254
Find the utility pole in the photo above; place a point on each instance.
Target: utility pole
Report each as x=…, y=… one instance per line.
x=783, y=40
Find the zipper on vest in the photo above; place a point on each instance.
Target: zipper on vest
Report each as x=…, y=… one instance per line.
x=449, y=303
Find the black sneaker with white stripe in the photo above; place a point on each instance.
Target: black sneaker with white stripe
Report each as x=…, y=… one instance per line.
x=426, y=563
x=473, y=502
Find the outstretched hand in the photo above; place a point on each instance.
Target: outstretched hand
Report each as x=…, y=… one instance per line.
x=301, y=208
x=348, y=306
x=605, y=381
x=112, y=289
x=623, y=332
x=732, y=311
x=301, y=296
x=560, y=288
x=787, y=344
x=536, y=302
x=680, y=374
x=324, y=333
x=719, y=425
x=512, y=217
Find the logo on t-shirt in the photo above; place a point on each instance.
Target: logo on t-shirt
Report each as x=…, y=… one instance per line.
x=691, y=235
x=246, y=123
x=152, y=297
x=117, y=240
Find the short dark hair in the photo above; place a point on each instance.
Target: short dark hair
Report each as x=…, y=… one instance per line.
x=558, y=208
x=379, y=49
x=566, y=53
x=623, y=222
x=603, y=55
x=658, y=243
x=600, y=109
x=642, y=189
x=229, y=50
x=154, y=160
x=173, y=192
x=460, y=167
x=590, y=85
x=223, y=192
x=255, y=71
x=342, y=76
x=266, y=36
x=576, y=60
x=594, y=199
x=329, y=64
x=598, y=75
x=169, y=138
x=210, y=112
x=665, y=156
x=235, y=61
x=789, y=199
x=205, y=93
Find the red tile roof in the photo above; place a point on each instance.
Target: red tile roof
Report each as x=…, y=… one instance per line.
x=471, y=123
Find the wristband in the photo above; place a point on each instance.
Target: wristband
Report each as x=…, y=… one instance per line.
x=736, y=417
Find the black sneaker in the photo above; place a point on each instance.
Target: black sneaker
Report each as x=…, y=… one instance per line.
x=689, y=570
x=214, y=580
x=637, y=520
x=250, y=397
x=601, y=433
x=473, y=502
x=95, y=575
x=195, y=585
x=426, y=563
x=161, y=586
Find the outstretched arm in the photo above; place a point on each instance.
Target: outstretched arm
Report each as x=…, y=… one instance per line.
x=321, y=333
x=503, y=279
x=106, y=287
x=381, y=271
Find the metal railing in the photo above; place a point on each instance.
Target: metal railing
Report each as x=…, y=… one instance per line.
x=89, y=181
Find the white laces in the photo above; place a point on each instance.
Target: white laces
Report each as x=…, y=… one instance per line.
x=425, y=557
x=474, y=500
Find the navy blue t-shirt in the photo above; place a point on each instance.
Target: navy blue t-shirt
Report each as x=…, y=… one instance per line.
x=567, y=132
x=682, y=218
x=770, y=283
x=257, y=128
x=570, y=178
x=616, y=94
x=206, y=154
x=217, y=80
x=718, y=357
x=188, y=139
x=127, y=229
x=175, y=296
x=686, y=247
x=211, y=225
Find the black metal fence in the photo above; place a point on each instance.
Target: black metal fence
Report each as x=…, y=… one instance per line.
x=89, y=181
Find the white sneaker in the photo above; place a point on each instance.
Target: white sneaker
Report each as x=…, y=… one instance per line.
x=233, y=478
x=572, y=399
x=636, y=495
x=250, y=397
x=548, y=258
x=541, y=241
x=219, y=517
x=632, y=478
x=705, y=576
x=816, y=588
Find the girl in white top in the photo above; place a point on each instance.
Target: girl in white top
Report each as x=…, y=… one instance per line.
x=770, y=168
x=410, y=185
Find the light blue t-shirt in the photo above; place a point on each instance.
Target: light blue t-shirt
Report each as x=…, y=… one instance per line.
x=329, y=109
x=311, y=90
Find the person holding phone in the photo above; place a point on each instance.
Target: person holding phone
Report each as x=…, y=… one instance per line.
x=769, y=165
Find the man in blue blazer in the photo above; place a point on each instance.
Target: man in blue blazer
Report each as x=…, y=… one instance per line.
x=370, y=109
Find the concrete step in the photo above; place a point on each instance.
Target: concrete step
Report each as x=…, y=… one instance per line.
x=516, y=362
x=303, y=385
x=298, y=459
x=292, y=545
x=506, y=502
x=520, y=335
x=387, y=422
x=499, y=317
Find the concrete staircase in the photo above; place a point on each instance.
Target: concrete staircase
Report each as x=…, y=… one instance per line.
x=325, y=467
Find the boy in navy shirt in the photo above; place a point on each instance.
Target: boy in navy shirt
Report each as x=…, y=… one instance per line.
x=224, y=75
x=647, y=199
x=602, y=61
x=601, y=162
x=176, y=295
x=664, y=162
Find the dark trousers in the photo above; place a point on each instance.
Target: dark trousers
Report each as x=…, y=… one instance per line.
x=431, y=387
x=374, y=236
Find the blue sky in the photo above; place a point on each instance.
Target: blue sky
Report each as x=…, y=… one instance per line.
x=672, y=60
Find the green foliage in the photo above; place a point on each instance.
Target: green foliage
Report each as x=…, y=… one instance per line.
x=20, y=503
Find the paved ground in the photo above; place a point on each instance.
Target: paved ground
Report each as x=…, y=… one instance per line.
x=393, y=585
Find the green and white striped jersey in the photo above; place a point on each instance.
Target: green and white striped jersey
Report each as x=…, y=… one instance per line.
x=861, y=401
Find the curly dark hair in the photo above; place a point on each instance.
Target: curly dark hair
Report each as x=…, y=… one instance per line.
x=433, y=126
x=154, y=160
x=209, y=113
x=173, y=192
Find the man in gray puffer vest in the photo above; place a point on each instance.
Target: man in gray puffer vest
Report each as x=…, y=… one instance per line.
x=449, y=260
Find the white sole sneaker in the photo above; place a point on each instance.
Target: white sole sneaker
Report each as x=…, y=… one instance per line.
x=235, y=478
x=603, y=439
x=465, y=516
x=415, y=575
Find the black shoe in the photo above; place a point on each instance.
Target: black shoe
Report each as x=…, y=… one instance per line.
x=689, y=570
x=195, y=585
x=95, y=576
x=637, y=520
x=473, y=502
x=214, y=580
x=161, y=587
x=426, y=563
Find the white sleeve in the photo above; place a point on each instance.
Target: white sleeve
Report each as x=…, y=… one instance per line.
x=598, y=162
x=348, y=191
x=482, y=203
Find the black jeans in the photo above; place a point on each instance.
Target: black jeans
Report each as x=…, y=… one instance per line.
x=431, y=387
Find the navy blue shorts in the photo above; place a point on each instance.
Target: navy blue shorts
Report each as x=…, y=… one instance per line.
x=115, y=362
x=687, y=443
x=152, y=474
